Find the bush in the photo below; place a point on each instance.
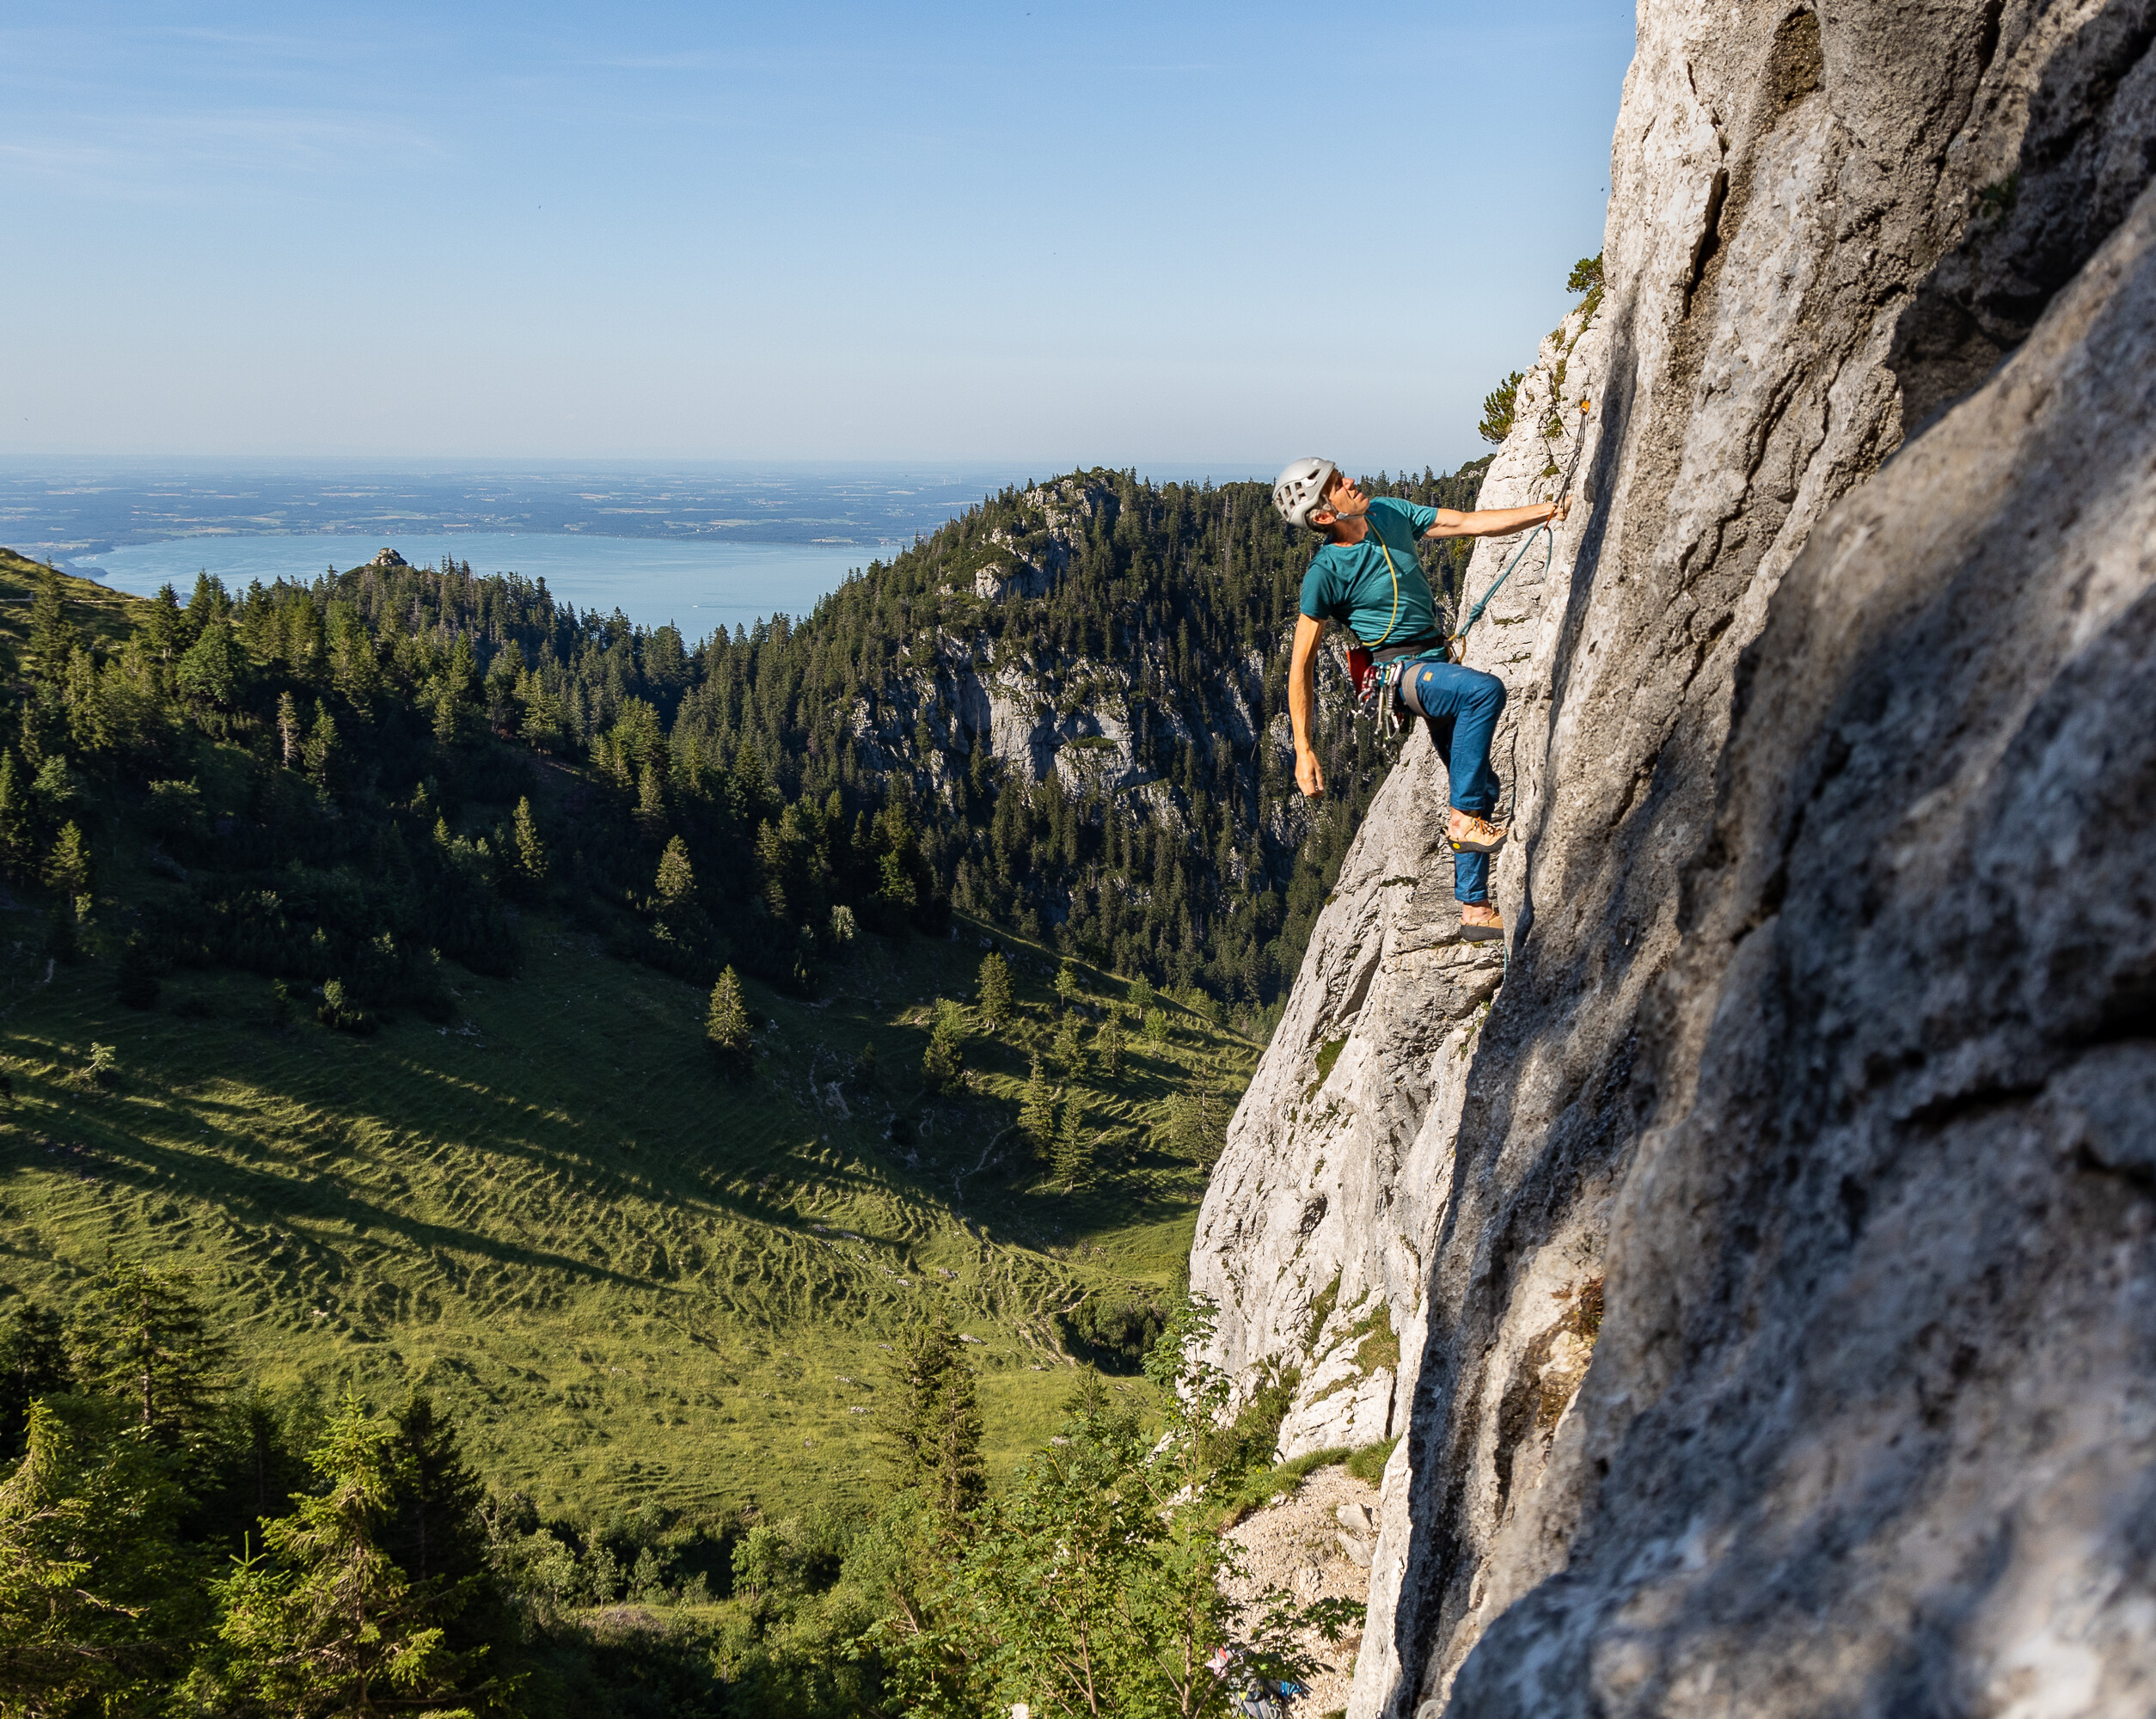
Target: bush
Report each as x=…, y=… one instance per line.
x=1113, y=1329
x=339, y=1011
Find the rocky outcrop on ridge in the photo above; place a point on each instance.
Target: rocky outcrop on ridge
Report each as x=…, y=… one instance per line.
x=1080, y=719
x=1768, y=1250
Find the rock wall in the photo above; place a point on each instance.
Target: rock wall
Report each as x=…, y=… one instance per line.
x=1769, y=1253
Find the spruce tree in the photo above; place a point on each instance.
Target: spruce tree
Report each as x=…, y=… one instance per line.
x=1068, y=989
x=651, y=802
x=435, y=1530
x=99, y=1600
x=53, y=637
x=676, y=882
x=1073, y=1162
x=940, y=1064
x=930, y=1421
x=1036, y=1110
x=1070, y=1054
x=140, y=1338
x=325, y=1622
x=289, y=738
x=18, y=855
x=531, y=851
x=727, y=1028
x=1107, y=1044
x=67, y=867
x=321, y=752
x=997, y=999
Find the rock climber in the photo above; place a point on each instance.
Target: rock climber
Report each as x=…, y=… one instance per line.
x=1367, y=577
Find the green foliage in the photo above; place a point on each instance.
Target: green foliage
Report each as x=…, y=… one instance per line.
x=1497, y=409
x=942, y=1064
x=530, y=862
x=1368, y=1465
x=1113, y=1330
x=67, y=867
x=141, y=1338
x=994, y=991
x=727, y=1028
x=339, y=1009
x=100, y=1601
x=1586, y=275
x=371, y=1210
x=34, y=1363
x=1108, y=1048
x=1197, y=1122
x=931, y=1422
x=53, y=636
x=1094, y=1585
x=1156, y=1027
x=1036, y=1113
x=325, y=1621
x=1072, y=1163
x=1140, y=995
x=1068, y=987
x=1070, y=1053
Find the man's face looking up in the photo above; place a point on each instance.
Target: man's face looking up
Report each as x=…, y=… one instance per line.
x=1344, y=499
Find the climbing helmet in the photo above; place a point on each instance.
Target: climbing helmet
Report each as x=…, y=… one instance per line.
x=1299, y=491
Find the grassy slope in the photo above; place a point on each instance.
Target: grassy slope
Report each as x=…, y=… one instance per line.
x=604, y=1260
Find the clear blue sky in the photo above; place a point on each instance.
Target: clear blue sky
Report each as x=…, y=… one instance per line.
x=1131, y=235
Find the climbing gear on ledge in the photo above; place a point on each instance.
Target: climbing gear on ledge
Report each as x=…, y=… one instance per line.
x=1300, y=489
x=1456, y=646
x=1467, y=834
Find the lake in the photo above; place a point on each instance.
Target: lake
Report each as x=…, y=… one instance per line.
x=697, y=586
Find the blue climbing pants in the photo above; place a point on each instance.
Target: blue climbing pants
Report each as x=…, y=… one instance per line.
x=1462, y=705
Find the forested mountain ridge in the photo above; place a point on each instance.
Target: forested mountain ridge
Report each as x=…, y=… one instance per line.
x=320, y=1032
x=1115, y=651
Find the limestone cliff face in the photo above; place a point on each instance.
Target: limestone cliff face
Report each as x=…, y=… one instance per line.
x=1770, y=1253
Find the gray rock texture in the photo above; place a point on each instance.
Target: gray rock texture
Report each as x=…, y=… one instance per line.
x=1769, y=1254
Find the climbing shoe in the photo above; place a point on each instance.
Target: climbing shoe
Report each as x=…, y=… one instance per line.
x=1469, y=834
x=1480, y=922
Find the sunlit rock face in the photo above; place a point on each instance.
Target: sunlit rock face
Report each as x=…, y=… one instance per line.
x=1767, y=1246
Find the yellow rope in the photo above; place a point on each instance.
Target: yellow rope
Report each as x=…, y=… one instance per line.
x=1394, y=571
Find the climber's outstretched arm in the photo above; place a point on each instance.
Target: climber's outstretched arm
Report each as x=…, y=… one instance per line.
x=1302, y=676
x=1496, y=521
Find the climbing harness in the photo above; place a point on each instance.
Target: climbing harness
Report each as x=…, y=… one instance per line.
x=1362, y=659
x=1456, y=646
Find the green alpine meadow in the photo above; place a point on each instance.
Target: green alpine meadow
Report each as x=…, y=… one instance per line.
x=549, y=1168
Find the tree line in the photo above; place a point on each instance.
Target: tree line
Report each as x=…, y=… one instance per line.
x=174, y=1541
x=351, y=778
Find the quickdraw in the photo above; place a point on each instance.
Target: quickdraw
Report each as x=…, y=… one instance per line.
x=1456, y=646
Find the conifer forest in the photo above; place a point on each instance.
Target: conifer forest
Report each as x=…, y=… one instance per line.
x=276, y=858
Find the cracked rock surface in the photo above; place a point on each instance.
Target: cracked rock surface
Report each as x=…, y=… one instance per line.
x=1768, y=1251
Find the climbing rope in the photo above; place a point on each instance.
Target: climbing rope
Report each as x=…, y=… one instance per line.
x=1456, y=646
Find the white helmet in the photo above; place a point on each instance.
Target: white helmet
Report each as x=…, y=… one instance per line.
x=1300, y=489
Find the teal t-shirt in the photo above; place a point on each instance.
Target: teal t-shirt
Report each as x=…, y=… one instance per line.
x=1351, y=581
